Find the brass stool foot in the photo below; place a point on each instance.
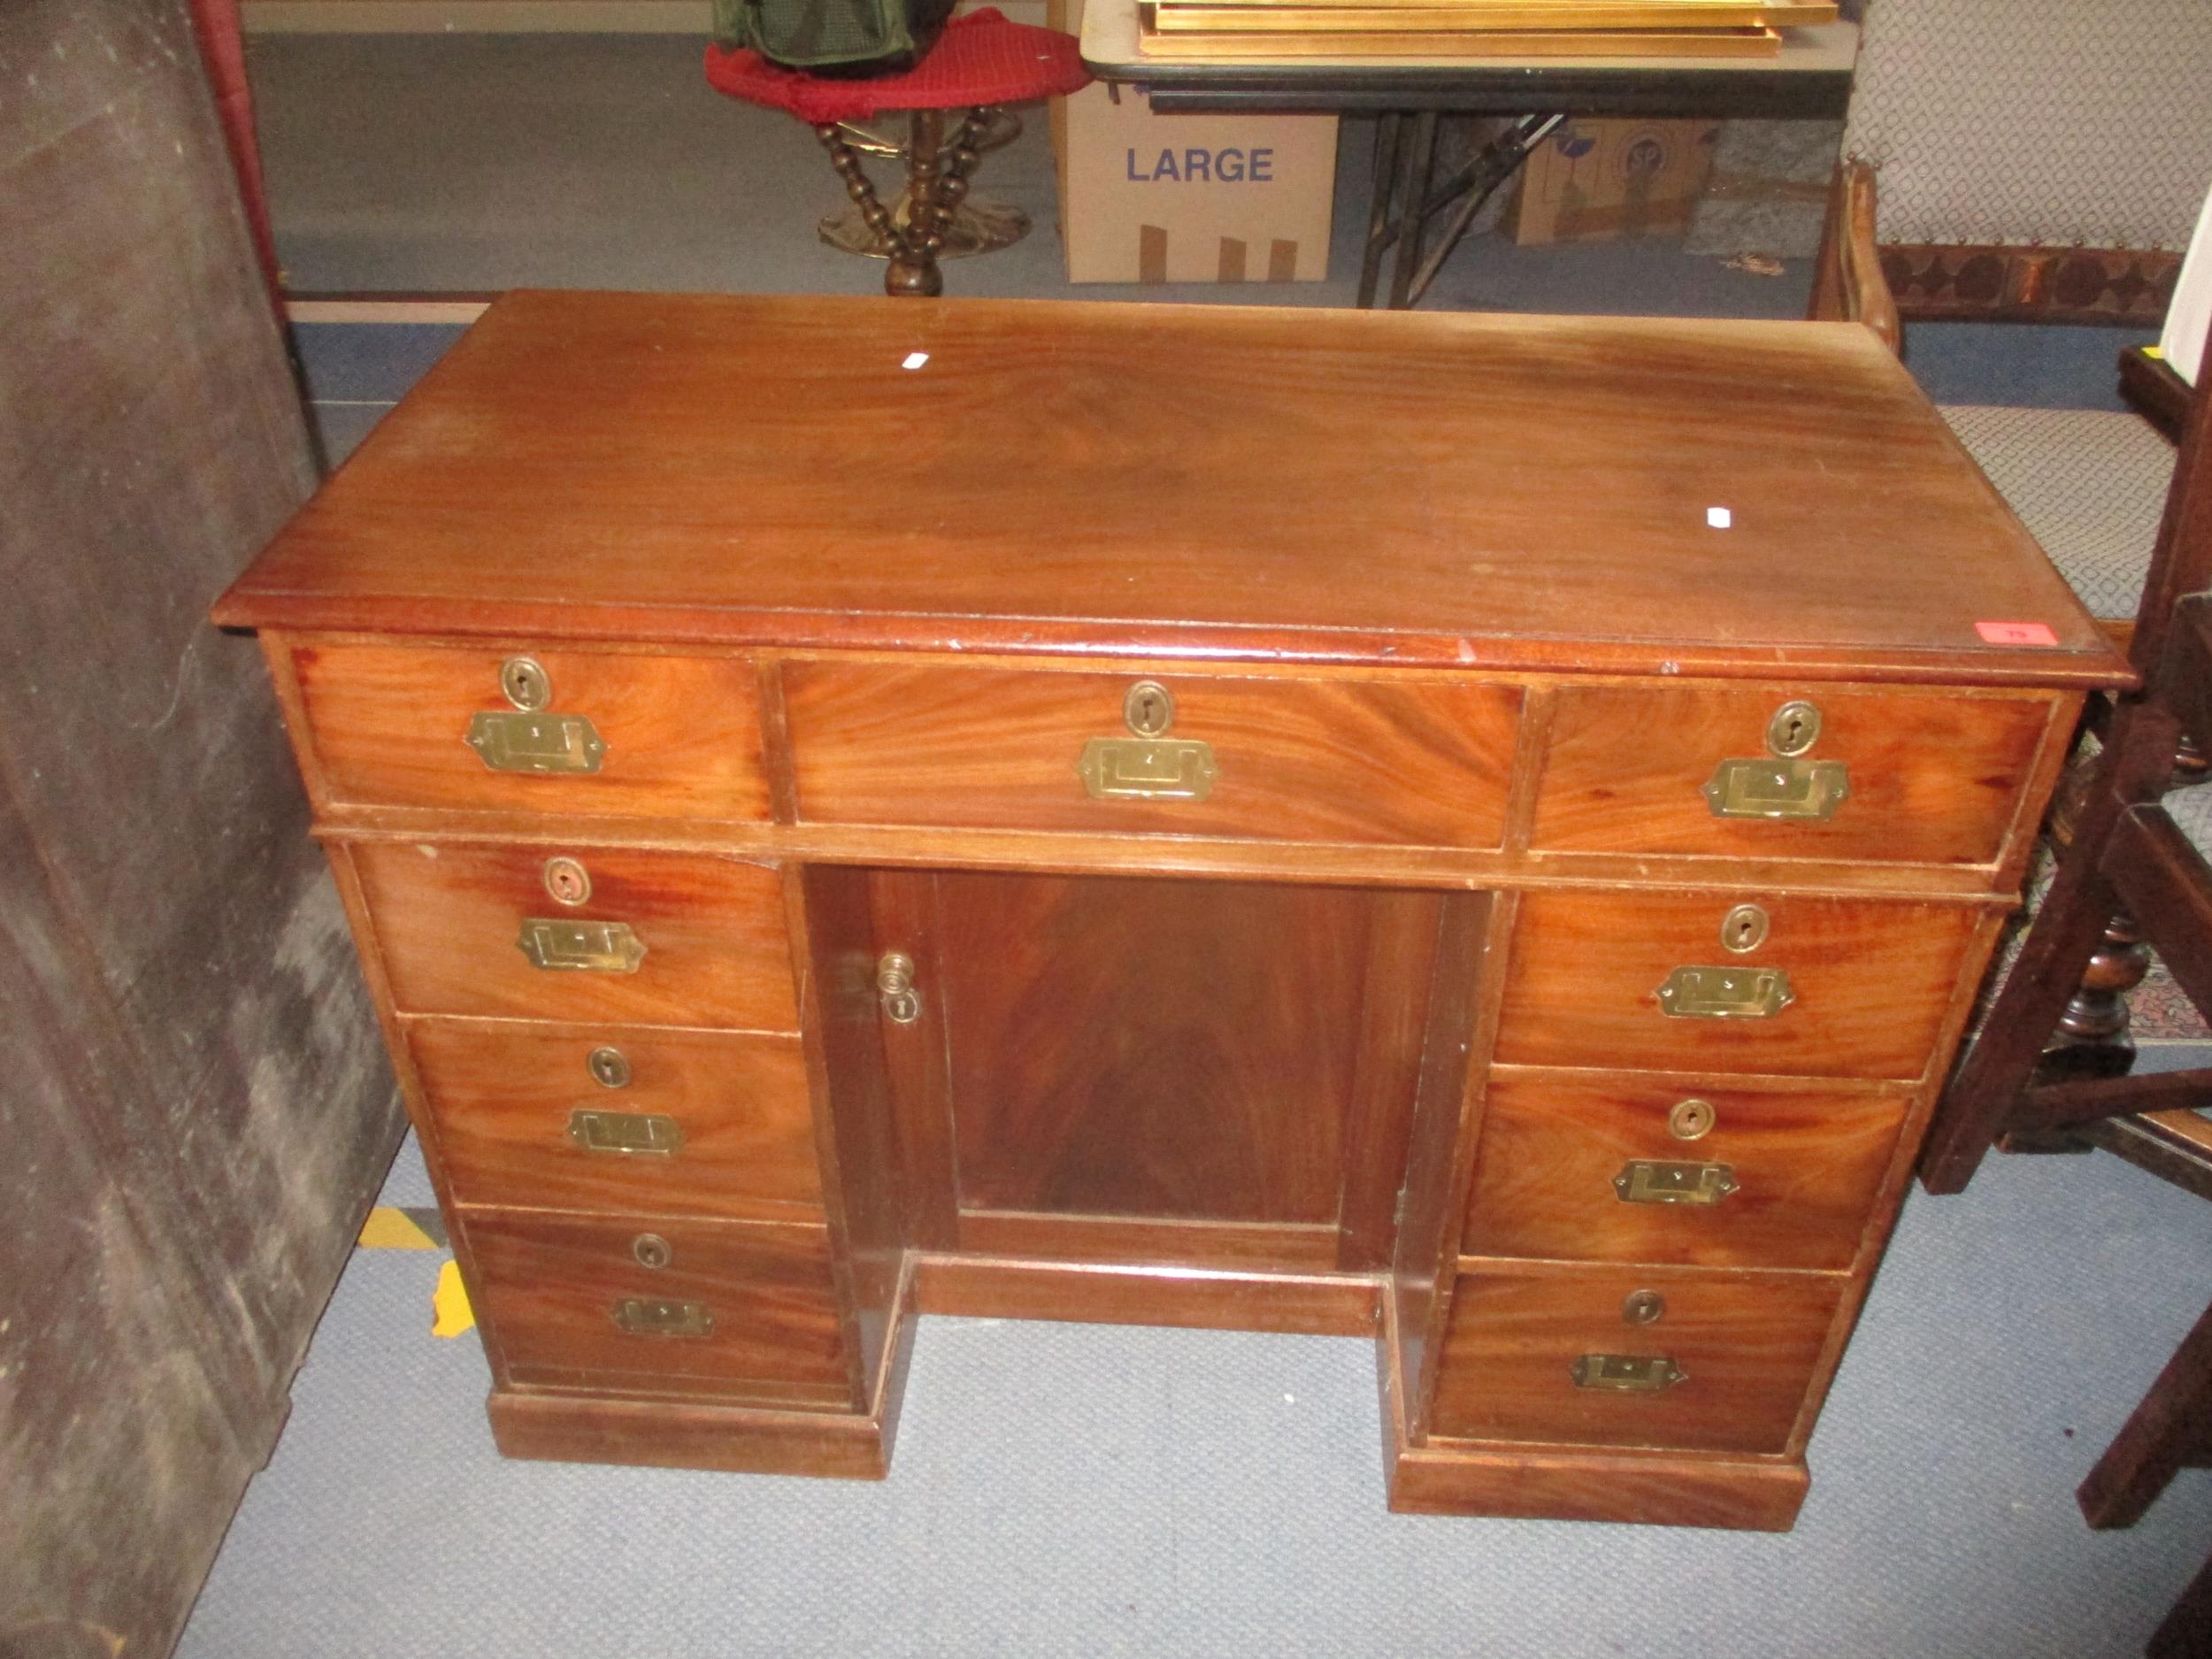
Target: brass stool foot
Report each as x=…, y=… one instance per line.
x=979, y=225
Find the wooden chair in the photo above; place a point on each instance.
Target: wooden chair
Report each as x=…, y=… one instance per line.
x=2049, y=1056
x=2169, y=1432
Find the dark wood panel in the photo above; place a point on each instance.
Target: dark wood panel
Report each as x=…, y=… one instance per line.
x=1200, y=1246
x=1746, y=1344
x=1386, y=1078
x=1461, y=1022
x=1806, y=1165
x=1151, y=1049
x=1401, y=762
x=991, y=1288
x=1176, y=482
x=503, y=1094
x=388, y=724
x=449, y=917
x=855, y=1135
x=550, y=1284
x=1871, y=982
x=1934, y=778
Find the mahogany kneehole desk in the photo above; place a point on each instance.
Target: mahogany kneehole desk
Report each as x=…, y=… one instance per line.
x=1272, y=820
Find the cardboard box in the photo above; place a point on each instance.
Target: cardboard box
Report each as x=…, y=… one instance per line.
x=1602, y=180
x=1188, y=198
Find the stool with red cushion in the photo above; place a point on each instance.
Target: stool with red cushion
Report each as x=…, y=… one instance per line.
x=980, y=62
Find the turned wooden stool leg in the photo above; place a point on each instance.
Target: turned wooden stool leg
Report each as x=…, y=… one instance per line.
x=845, y=159
x=913, y=268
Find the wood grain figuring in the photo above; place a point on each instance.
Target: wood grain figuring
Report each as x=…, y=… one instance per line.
x=388, y=725
x=1746, y=1343
x=1177, y=482
x=503, y=1094
x=448, y=916
x=1402, y=762
x=1806, y=1163
x=1934, y=778
x=1554, y=1485
x=1871, y=982
x=550, y=1282
x=1165, y=1049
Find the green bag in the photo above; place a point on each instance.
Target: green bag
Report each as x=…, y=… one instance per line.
x=833, y=37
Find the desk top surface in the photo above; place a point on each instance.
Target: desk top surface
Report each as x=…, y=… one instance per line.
x=1146, y=481
x=1810, y=77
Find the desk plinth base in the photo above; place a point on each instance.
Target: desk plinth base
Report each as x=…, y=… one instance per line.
x=1759, y=1494
x=701, y=1434
x=689, y=1435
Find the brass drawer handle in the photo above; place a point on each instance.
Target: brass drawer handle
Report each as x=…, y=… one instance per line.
x=645, y=1315
x=581, y=947
x=643, y=1134
x=1649, y=1181
x=1725, y=993
x=1148, y=769
x=1801, y=789
x=531, y=743
x=1627, y=1373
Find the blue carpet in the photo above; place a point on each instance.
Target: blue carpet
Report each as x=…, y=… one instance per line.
x=1089, y=1491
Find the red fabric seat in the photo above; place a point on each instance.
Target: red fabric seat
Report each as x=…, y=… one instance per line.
x=979, y=60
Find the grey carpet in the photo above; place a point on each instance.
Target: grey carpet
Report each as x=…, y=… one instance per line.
x=1084, y=1490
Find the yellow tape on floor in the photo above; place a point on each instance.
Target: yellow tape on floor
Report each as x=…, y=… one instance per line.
x=389, y=1228
x=450, y=1313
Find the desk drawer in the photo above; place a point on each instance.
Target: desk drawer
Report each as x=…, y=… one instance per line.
x=740, y=1310
x=1623, y=1168
x=1740, y=1350
x=661, y=736
x=705, y=935
x=1392, y=760
x=1928, y=778
x=1594, y=976
x=621, y=1118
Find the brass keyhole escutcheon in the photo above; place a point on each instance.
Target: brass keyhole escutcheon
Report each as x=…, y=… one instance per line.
x=1644, y=1307
x=610, y=1067
x=652, y=1250
x=526, y=684
x=895, y=982
x=1690, y=1120
x=1149, y=708
x=567, y=881
x=1794, y=728
x=1744, y=928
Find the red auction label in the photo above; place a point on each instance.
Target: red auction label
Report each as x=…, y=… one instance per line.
x=2016, y=632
